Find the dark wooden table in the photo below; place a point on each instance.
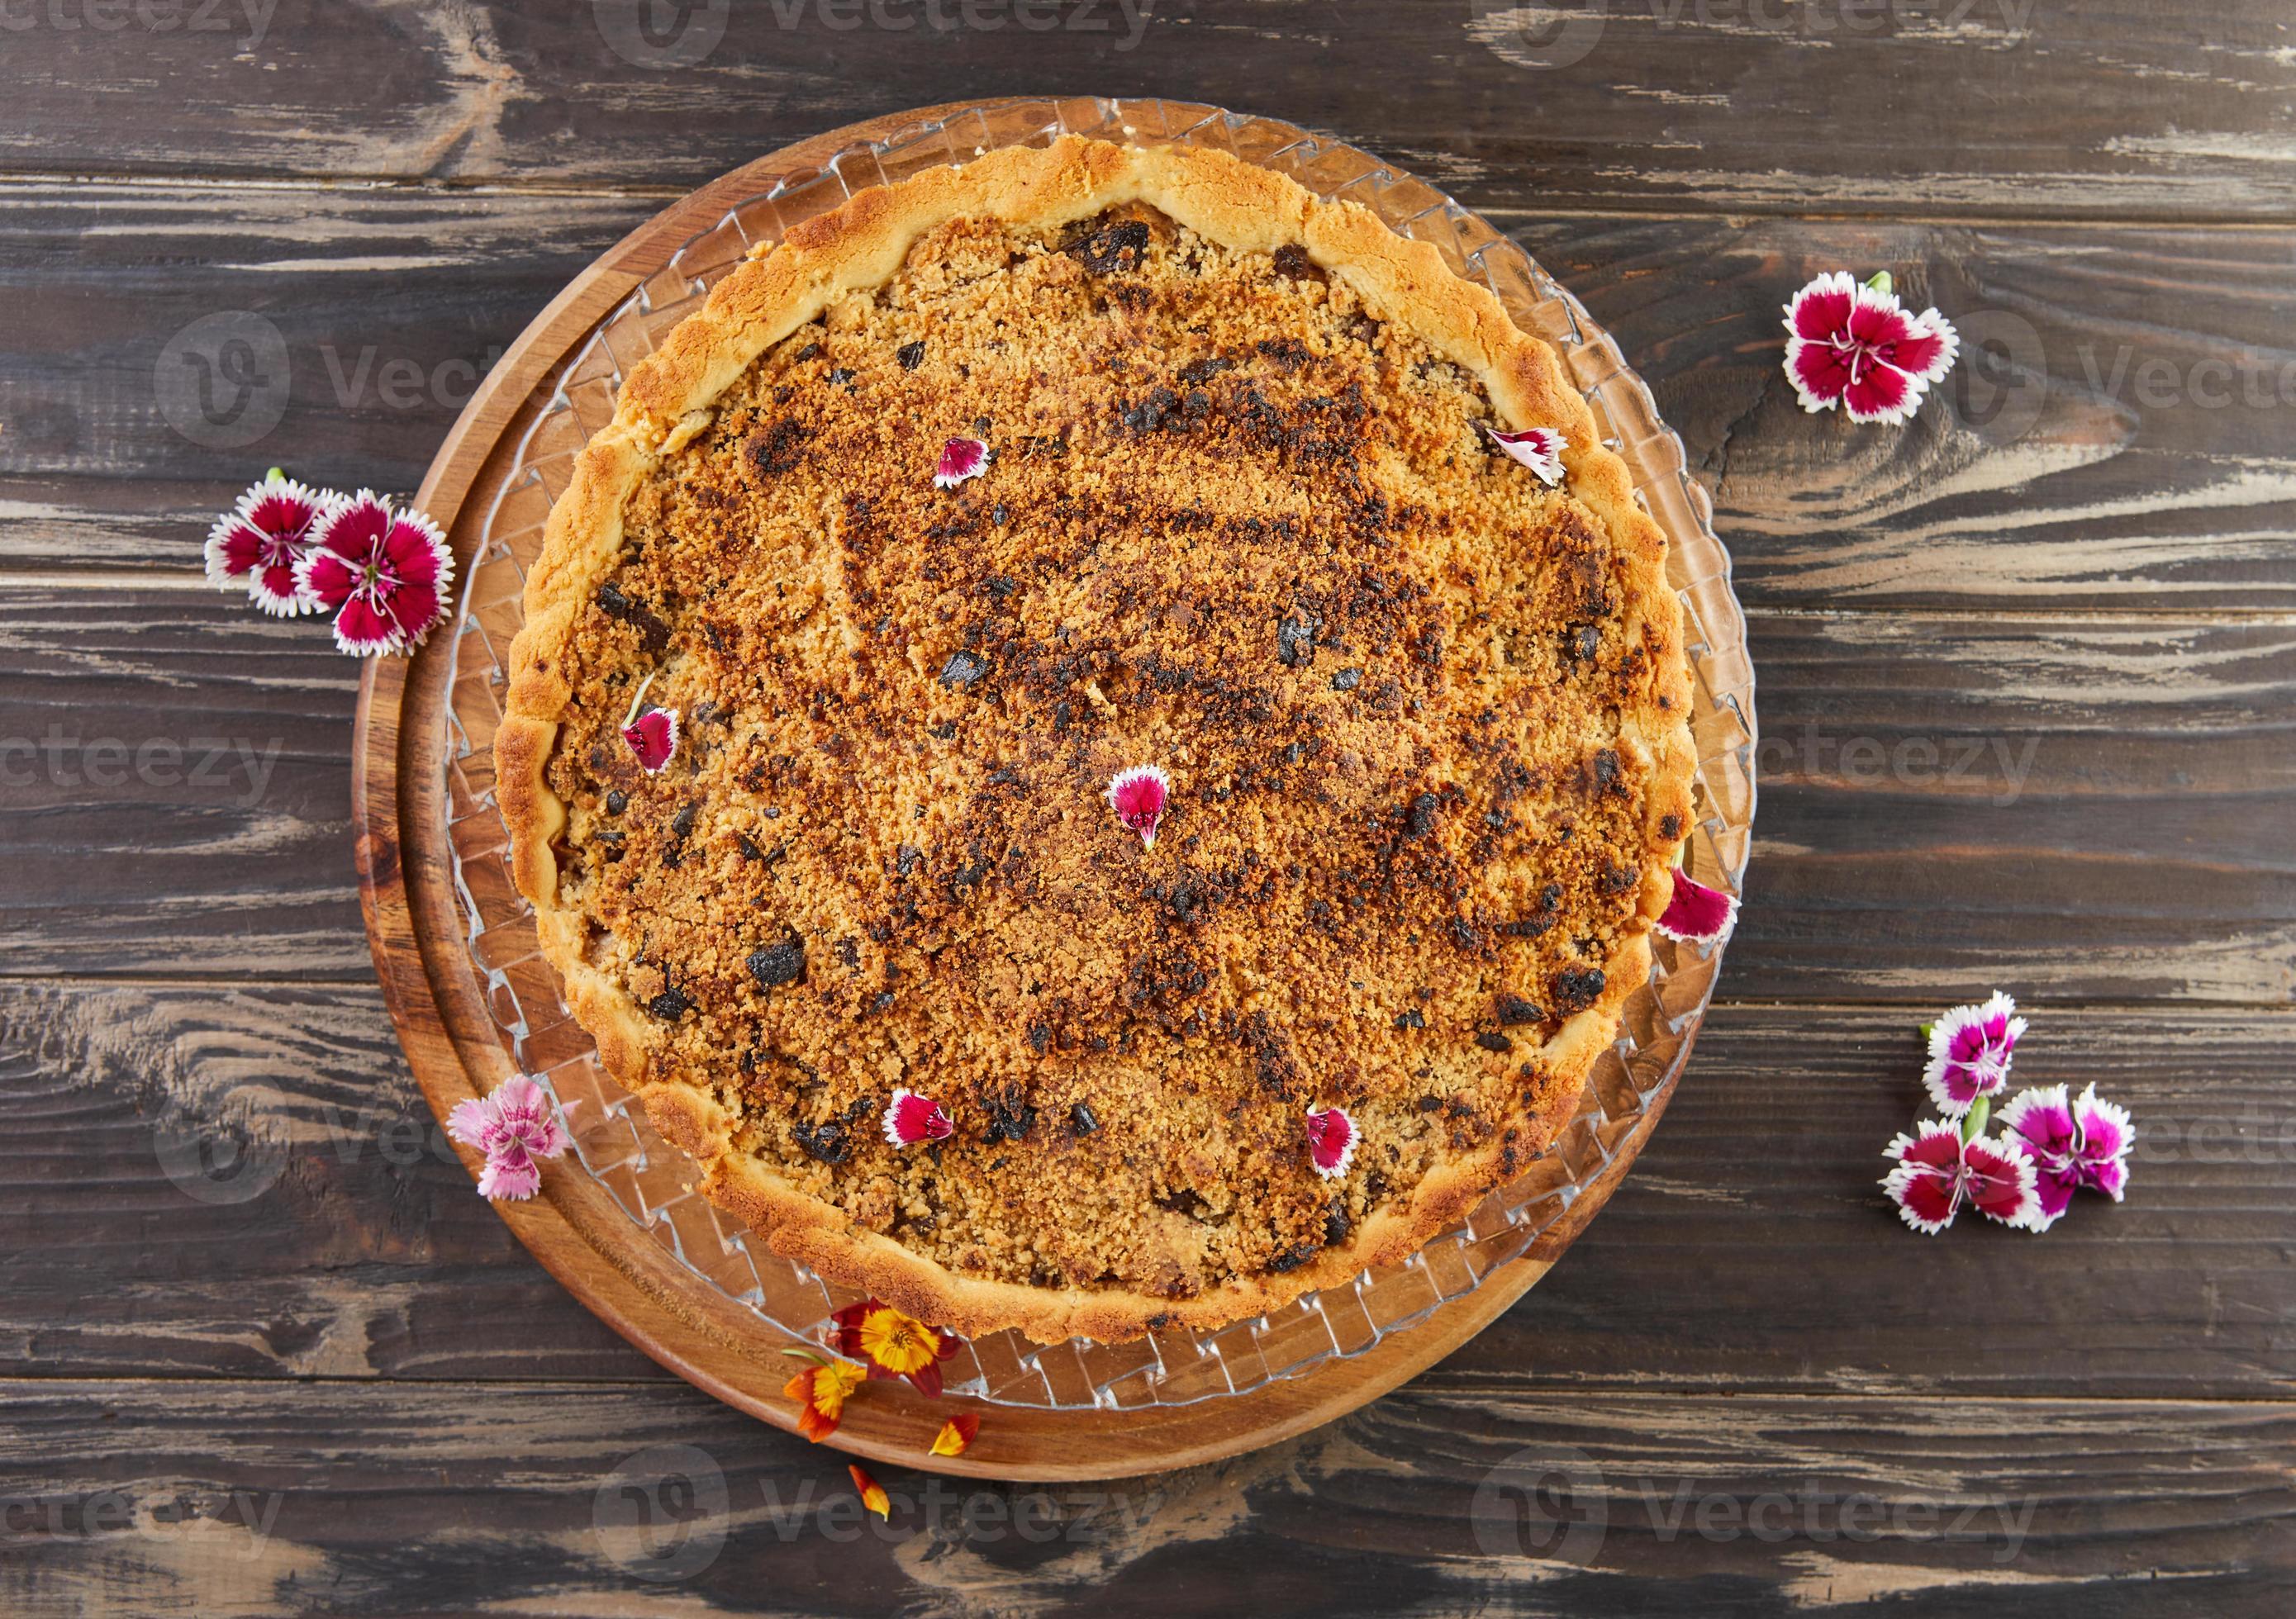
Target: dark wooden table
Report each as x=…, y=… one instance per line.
x=2028, y=677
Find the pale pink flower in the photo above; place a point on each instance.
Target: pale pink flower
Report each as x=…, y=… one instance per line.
x=515, y=1126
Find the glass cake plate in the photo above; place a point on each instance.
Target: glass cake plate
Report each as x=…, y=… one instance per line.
x=653, y=1181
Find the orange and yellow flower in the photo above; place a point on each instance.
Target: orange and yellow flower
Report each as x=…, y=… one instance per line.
x=894, y=1345
x=956, y=1434
x=872, y=1493
x=821, y=1391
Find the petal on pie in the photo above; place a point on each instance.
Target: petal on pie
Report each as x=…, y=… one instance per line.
x=910, y=1119
x=1539, y=448
x=1697, y=913
x=960, y=459
x=653, y=737
x=1331, y=1141
x=1138, y=797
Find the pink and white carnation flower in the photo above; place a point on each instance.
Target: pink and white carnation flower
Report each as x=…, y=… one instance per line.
x=258, y=544
x=2073, y=1142
x=1940, y=1167
x=1970, y=1050
x=1852, y=344
x=382, y=572
x=516, y=1126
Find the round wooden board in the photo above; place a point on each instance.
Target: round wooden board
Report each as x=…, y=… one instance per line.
x=575, y=1229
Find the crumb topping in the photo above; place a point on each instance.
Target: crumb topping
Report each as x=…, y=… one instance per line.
x=1228, y=523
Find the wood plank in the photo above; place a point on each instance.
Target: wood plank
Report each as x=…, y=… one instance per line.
x=1720, y=104
x=1941, y=796
x=2133, y=458
x=172, y=1498
x=255, y=1176
x=1749, y=1251
x=178, y=792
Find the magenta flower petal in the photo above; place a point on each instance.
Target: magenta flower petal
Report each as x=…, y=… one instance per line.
x=2000, y=1177
x=653, y=736
x=1854, y=345
x=1696, y=912
x=257, y=544
x=1138, y=797
x=960, y=459
x=1970, y=1050
x=2073, y=1143
x=910, y=1119
x=1926, y=1185
x=384, y=573
x=1539, y=448
x=1937, y=1172
x=1331, y=1141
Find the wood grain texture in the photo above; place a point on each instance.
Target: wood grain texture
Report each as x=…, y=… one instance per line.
x=360, y=1357
x=156, y=1499
x=1749, y=1252
x=1939, y=790
x=2117, y=444
x=1986, y=106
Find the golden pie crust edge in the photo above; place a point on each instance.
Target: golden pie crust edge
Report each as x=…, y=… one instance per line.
x=666, y=401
